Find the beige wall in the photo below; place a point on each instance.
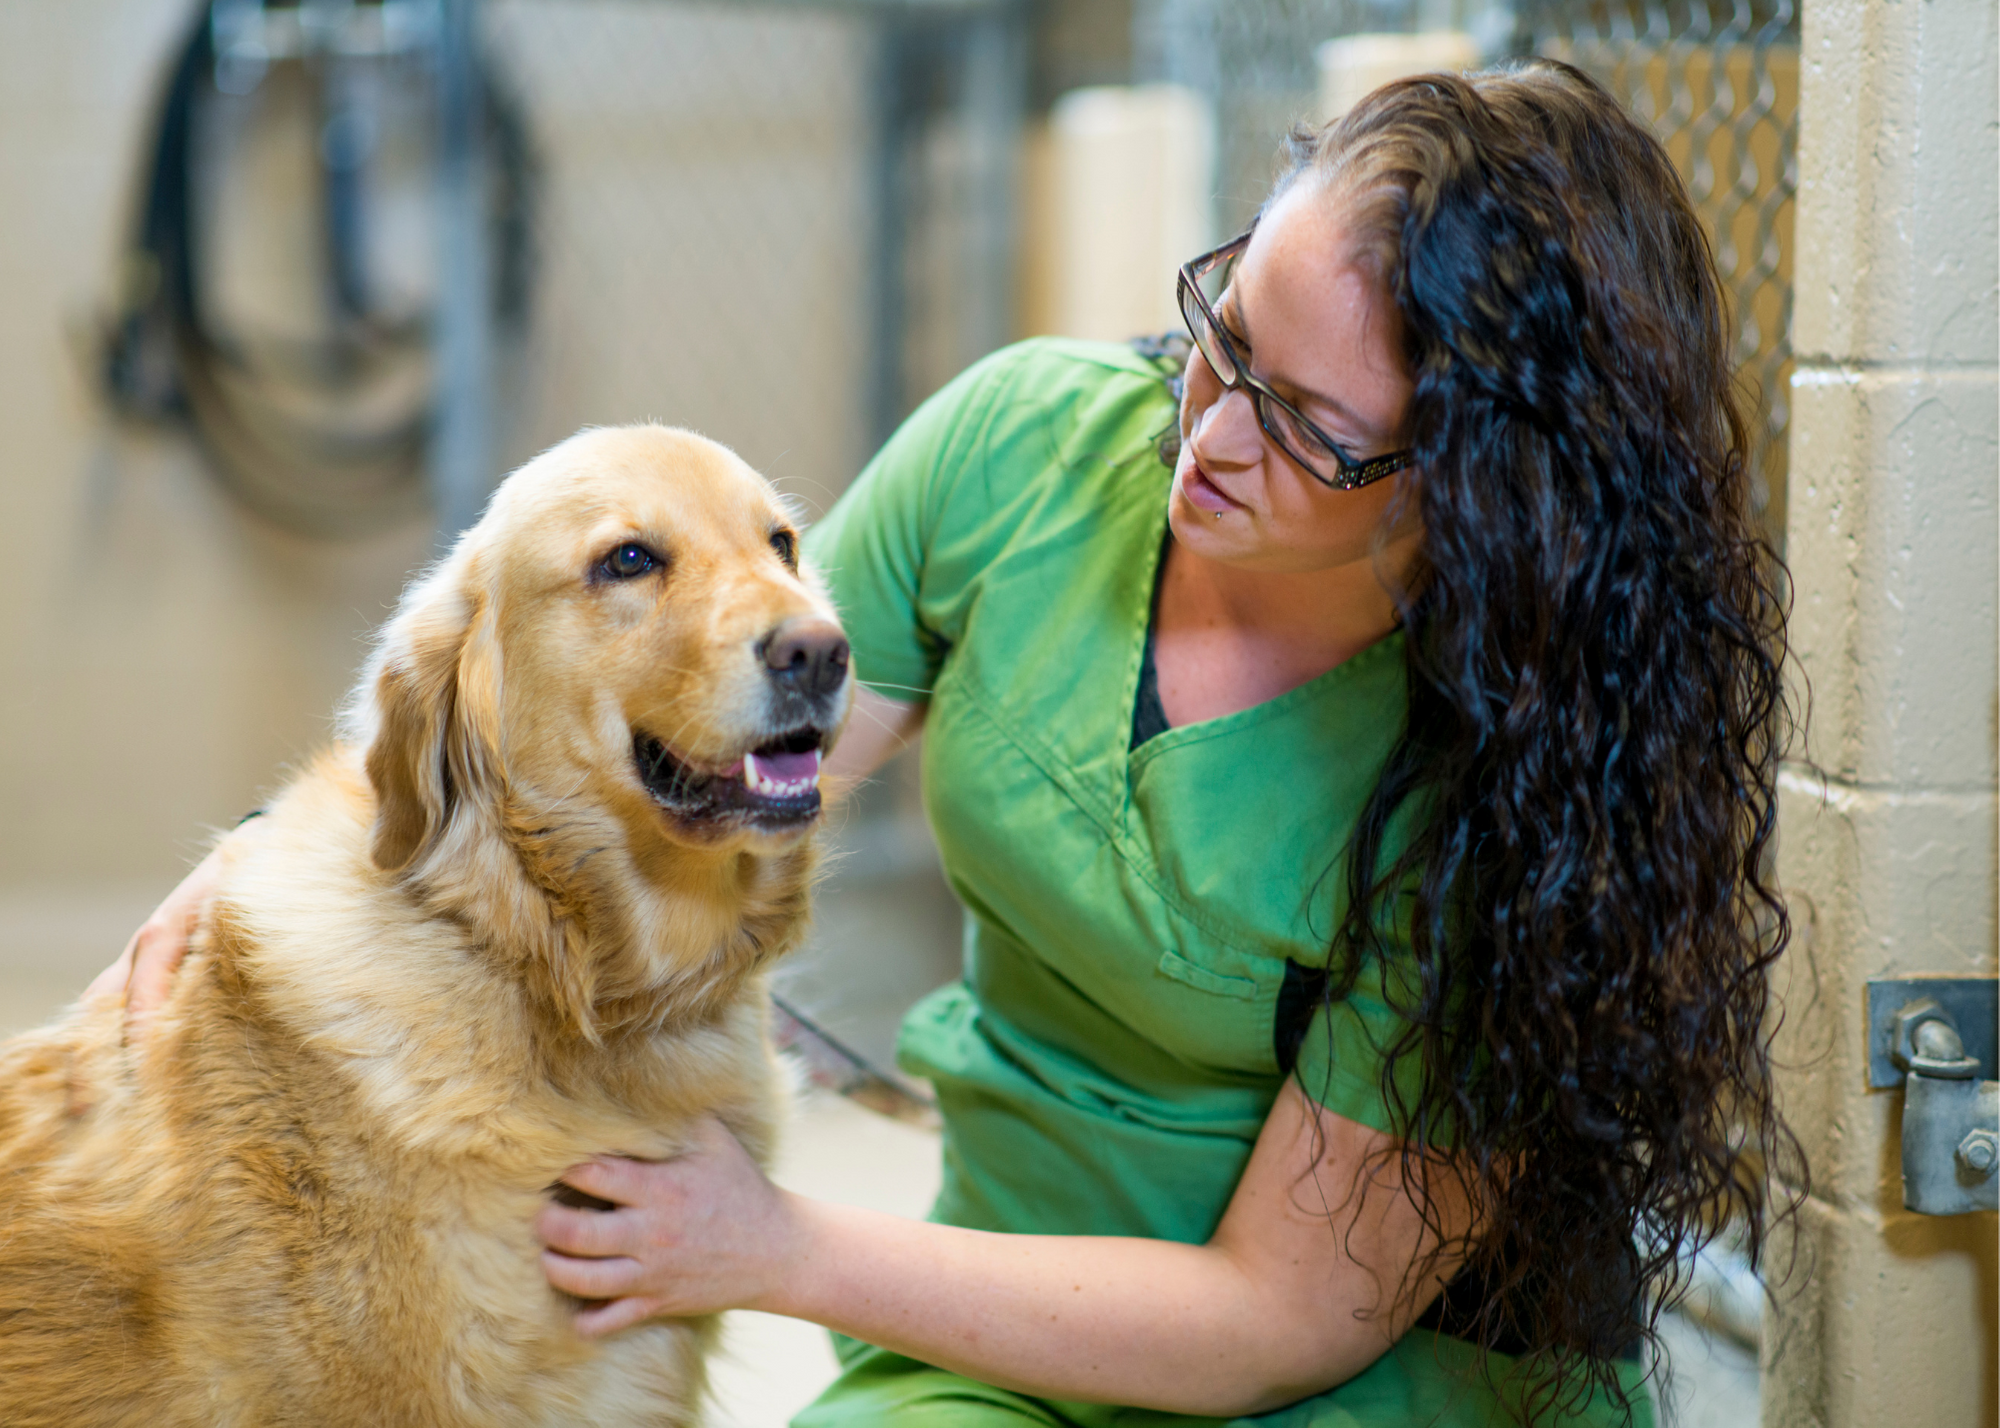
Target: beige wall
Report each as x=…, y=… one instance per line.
x=1887, y=847
x=162, y=654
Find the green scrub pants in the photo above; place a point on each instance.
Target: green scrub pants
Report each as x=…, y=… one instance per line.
x=878, y=1389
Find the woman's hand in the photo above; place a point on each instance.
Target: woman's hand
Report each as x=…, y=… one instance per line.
x=143, y=975
x=694, y=1235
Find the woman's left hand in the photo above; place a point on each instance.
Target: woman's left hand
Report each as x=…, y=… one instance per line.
x=698, y=1234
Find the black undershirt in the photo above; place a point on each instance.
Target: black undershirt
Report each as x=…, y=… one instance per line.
x=1149, y=716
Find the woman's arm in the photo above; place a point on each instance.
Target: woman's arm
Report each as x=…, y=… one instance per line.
x=1302, y=1286
x=877, y=730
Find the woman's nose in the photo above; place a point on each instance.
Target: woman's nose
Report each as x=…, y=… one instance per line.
x=1226, y=431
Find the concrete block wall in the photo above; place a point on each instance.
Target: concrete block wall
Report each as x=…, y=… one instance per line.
x=1887, y=832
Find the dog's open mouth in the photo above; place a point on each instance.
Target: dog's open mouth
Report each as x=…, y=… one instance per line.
x=774, y=785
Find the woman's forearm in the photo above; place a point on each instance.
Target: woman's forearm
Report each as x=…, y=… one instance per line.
x=1320, y=1262
x=1145, y=1323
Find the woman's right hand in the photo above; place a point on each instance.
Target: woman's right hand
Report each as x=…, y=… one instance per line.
x=143, y=975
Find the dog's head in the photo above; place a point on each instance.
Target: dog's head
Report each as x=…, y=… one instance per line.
x=626, y=633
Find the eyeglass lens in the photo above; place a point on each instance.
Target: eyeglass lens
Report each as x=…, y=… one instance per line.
x=1217, y=350
x=1213, y=350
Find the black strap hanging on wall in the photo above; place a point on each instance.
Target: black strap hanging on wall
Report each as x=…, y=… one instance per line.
x=323, y=434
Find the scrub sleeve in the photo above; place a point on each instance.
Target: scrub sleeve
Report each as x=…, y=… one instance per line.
x=1105, y=1064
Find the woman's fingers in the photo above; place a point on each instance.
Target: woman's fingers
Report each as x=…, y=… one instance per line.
x=700, y=1233
x=601, y=1319
x=622, y=1182
x=143, y=976
x=157, y=953
x=592, y=1278
x=593, y=1234
x=107, y=988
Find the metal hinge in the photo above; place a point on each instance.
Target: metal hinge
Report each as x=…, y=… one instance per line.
x=1935, y=1037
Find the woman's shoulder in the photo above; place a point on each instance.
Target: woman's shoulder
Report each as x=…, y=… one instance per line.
x=1063, y=380
x=1033, y=443
x=1052, y=409
x=1078, y=360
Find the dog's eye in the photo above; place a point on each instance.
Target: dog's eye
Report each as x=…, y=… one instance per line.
x=629, y=561
x=787, y=547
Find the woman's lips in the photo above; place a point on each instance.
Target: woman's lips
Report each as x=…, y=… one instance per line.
x=1203, y=493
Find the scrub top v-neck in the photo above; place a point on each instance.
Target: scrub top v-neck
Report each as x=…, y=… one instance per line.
x=1114, y=1047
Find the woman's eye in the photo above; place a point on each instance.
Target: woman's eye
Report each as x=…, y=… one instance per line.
x=1306, y=438
x=787, y=547
x=629, y=561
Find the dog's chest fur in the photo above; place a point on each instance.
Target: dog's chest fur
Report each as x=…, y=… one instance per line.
x=310, y=1201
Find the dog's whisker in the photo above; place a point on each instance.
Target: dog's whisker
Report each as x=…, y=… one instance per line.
x=884, y=684
x=903, y=741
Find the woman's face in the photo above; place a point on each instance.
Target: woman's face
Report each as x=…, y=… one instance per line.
x=1318, y=329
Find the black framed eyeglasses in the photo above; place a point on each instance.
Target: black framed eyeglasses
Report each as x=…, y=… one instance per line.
x=1318, y=454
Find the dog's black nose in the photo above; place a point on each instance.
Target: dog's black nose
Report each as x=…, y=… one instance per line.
x=809, y=656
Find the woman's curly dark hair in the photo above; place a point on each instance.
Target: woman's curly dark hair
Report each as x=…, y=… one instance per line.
x=1574, y=826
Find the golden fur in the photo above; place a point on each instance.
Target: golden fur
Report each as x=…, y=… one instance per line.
x=466, y=949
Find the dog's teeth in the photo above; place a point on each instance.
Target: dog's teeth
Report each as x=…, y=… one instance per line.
x=758, y=781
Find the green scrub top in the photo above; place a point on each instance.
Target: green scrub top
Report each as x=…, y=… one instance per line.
x=1106, y=1063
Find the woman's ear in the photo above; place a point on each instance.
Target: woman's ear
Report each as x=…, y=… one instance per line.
x=435, y=697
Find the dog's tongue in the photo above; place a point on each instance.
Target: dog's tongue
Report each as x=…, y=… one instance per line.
x=790, y=767
x=780, y=773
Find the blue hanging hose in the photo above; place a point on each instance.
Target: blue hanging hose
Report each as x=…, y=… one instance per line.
x=302, y=433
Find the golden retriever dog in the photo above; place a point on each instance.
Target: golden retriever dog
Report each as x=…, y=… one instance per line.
x=518, y=916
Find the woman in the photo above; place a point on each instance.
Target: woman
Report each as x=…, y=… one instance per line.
x=1360, y=824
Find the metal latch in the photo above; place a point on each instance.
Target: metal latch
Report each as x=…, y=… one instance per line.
x=1935, y=1037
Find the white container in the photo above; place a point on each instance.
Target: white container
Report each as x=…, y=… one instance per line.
x=1355, y=65
x=1131, y=175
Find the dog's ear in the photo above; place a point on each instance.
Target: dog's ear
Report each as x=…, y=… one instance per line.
x=434, y=693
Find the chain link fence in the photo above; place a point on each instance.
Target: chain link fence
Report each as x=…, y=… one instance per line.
x=1717, y=80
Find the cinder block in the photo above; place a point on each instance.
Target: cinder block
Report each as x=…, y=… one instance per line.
x=1879, y=884
x=1895, y=882
x=1895, y=557
x=1899, y=183
x=1884, y=1319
